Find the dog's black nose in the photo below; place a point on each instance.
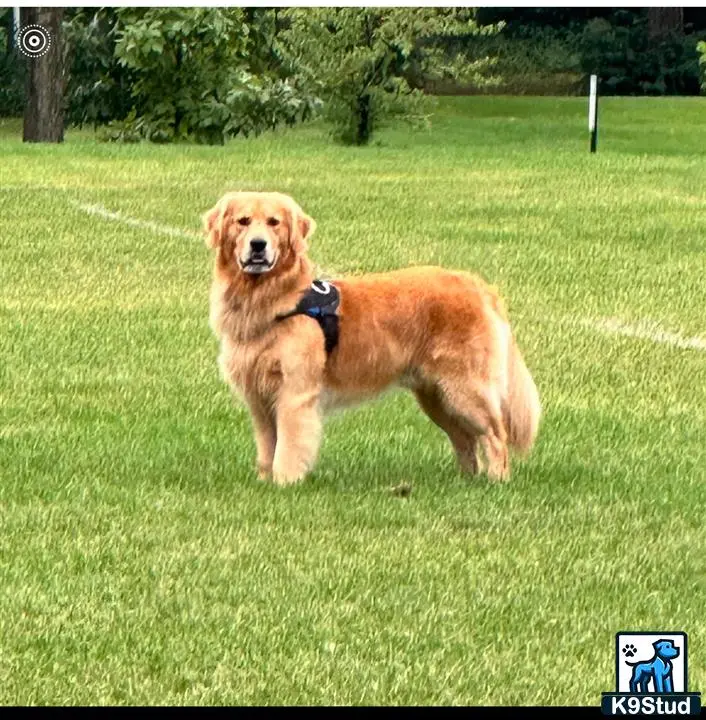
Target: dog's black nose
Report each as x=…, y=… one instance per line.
x=258, y=245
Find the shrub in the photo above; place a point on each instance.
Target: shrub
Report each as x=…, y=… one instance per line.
x=99, y=88
x=167, y=74
x=629, y=64
x=552, y=50
x=701, y=48
x=537, y=62
x=12, y=69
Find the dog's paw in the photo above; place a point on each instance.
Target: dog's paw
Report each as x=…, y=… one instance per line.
x=289, y=471
x=264, y=472
x=629, y=650
x=287, y=477
x=495, y=478
x=286, y=480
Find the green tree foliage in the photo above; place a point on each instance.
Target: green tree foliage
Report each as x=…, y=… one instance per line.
x=12, y=68
x=620, y=44
x=164, y=74
x=540, y=61
x=630, y=63
x=99, y=89
x=701, y=47
x=362, y=60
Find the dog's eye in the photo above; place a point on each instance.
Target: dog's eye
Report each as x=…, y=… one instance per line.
x=272, y=222
x=244, y=221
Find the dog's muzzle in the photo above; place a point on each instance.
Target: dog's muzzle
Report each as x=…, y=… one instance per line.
x=259, y=259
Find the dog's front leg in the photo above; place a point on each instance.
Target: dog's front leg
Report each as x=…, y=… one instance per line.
x=265, y=429
x=659, y=680
x=298, y=436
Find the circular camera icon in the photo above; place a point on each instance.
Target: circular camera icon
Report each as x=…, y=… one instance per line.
x=33, y=41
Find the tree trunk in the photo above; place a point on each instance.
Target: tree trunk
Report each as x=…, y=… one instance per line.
x=364, y=126
x=663, y=21
x=10, y=29
x=44, y=108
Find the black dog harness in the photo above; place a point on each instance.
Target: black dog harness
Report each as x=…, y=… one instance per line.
x=320, y=302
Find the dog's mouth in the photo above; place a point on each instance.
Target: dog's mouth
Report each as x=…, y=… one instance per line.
x=257, y=264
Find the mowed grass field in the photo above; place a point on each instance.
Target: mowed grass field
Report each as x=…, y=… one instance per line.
x=142, y=562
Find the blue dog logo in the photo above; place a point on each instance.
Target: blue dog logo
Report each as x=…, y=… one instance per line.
x=658, y=686
x=658, y=669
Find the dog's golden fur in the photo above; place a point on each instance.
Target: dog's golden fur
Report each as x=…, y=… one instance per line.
x=443, y=334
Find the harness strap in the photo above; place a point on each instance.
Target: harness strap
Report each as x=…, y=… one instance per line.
x=320, y=302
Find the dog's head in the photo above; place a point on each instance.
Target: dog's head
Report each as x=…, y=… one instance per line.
x=255, y=233
x=665, y=649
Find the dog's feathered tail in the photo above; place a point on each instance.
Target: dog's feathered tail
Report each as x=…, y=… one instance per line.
x=522, y=408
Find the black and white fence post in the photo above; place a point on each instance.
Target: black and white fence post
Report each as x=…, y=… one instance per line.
x=593, y=112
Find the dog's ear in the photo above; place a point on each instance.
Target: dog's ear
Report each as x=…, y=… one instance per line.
x=212, y=226
x=302, y=228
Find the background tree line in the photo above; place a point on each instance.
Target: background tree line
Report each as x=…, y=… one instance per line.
x=635, y=51
x=206, y=74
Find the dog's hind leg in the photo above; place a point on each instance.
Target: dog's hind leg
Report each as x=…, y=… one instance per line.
x=483, y=415
x=640, y=680
x=464, y=442
x=496, y=451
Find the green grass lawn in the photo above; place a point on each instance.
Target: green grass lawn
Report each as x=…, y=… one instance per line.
x=141, y=561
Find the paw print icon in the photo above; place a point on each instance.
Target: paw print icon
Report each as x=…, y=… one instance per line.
x=629, y=650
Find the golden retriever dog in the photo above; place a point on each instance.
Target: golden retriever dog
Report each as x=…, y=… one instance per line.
x=442, y=334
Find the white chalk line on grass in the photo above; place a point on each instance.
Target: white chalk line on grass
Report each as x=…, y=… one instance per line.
x=103, y=212
x=645, y=330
